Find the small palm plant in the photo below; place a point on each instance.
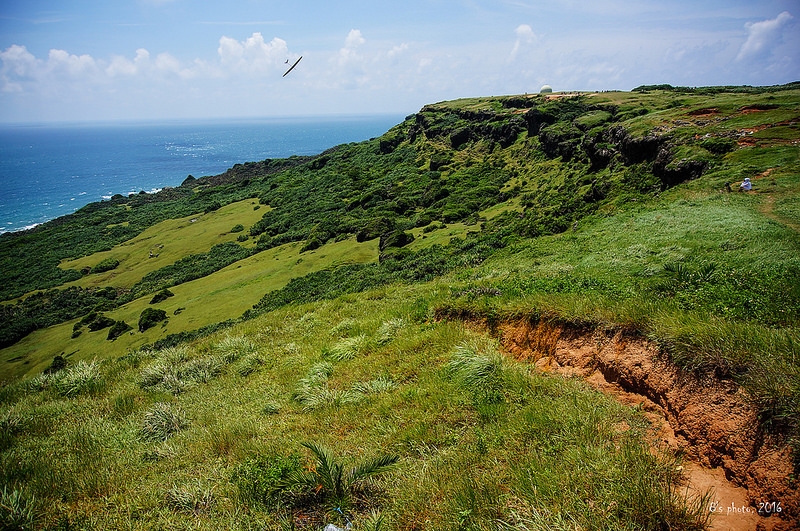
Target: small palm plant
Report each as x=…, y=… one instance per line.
x=332, y=483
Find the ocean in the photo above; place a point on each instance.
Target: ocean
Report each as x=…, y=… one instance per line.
x=47, y=171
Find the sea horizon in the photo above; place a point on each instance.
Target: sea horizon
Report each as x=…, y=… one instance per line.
x=51, y=169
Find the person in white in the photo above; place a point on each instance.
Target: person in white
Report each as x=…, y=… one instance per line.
x=746, y=186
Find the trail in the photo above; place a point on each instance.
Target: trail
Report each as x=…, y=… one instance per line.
x=768, y=206
x=710, y=422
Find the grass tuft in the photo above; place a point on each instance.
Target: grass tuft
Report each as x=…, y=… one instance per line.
x=174, y=371
x=389, y=330
x=83, y=377
x=347, y=348
x=192, y=498
x=16, y=510
x=232, y=348
x=376, y=386
x=162, y=421
x=478, y=369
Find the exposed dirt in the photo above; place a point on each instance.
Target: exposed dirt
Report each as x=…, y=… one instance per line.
x=708, y=421
x=746, y=140
x=750, y=109
x=703, y=112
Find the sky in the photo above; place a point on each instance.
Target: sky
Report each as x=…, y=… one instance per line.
x=101, y=60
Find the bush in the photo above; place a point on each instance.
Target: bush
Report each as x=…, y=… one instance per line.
x=263, y=479
x=161, y=296
x=151, y=317
x=396, y=238
x=106, y=265
x=100, y=322
x=117, y=329
x=237, y=228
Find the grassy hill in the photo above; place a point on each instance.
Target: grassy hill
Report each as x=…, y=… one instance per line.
x=327, y=339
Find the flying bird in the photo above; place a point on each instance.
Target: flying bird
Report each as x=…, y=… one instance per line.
x=291, y=67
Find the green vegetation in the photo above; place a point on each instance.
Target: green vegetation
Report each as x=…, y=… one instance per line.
x=106, y=265
x=308, y=361
x=151, y=317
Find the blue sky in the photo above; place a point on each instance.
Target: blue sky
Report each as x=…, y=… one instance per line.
x=177, y=59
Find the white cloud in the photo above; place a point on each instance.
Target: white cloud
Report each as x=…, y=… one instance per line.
x=121, y=66
x=354, y=39
x=352, y=42
x=252, y=55
x=21, y=70
x=18, y=64
x=525, y=35
x=763, y=36
x=398, y=50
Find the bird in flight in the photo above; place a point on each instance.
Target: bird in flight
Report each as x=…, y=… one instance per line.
x=291, y=67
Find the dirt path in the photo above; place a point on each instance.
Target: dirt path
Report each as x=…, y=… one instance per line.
x=768, y=206
x=709, y=421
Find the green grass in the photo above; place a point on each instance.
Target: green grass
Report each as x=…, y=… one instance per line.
x=464, y=455
x=224, y=295
x=165, y=243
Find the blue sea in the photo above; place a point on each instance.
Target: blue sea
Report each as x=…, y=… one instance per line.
x=48, y=171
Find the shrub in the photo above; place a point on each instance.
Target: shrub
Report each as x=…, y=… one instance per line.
x=106, y=265
x=100, y=322
x=161, y=296
x=334, y=486
x=117, y=329
x=162, y=421
x=151, y=317
x=263, y=479
x=237, y=228
x=396, y=238
x=59, y=363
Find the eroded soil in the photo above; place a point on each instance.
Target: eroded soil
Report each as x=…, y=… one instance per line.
x=710, y=422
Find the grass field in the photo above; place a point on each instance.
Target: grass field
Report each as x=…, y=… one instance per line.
x=221, y=296
x=166, y=243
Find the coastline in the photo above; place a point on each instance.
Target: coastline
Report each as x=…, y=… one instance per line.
x=52, y=170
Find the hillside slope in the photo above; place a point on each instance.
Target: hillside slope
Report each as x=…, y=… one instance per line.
x=349, y=300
